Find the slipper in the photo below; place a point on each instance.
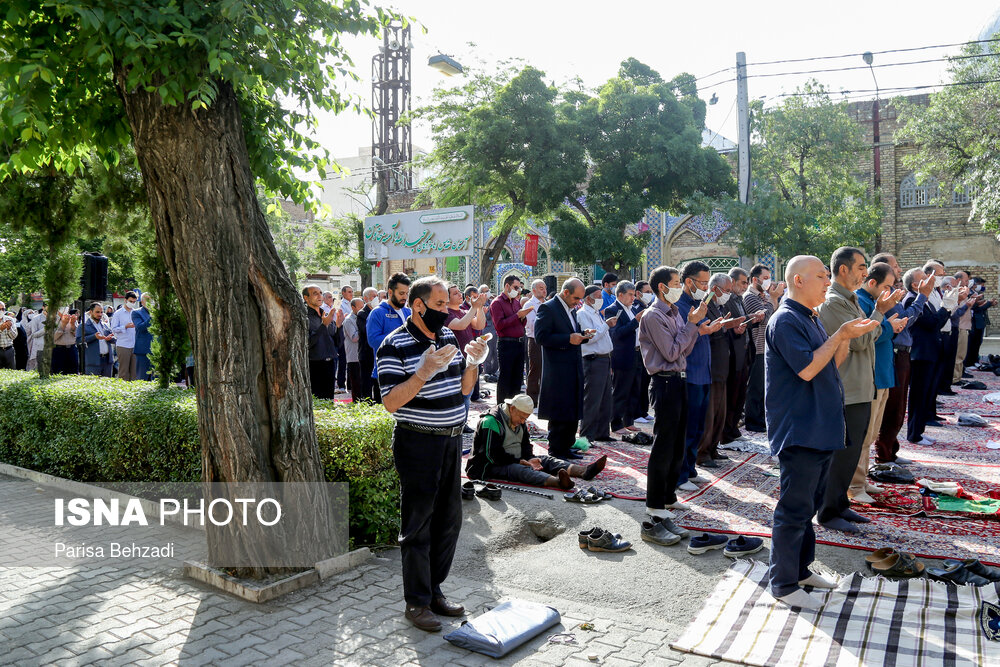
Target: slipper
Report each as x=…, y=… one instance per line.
x=879, y=555
x=489, y=492
x=899, y=565
x=603, y=495
x=581, y=496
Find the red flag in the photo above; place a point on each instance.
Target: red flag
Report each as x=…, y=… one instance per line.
x=531, y=250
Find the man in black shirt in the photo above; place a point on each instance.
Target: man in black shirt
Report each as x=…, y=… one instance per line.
x=322, y=342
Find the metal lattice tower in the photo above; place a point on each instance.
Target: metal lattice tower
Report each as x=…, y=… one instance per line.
x=391, y=142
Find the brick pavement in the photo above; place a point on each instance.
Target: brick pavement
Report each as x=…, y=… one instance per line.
x=93, y=614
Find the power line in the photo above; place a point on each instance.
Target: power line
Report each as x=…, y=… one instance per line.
x=857, y=67
x=848, y=55
x=896, y=89
x=855, y=55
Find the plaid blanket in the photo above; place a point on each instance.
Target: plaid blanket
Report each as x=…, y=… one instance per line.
x=866, y=621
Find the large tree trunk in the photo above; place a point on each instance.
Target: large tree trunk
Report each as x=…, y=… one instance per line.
x=491, y=253
x=246, y=320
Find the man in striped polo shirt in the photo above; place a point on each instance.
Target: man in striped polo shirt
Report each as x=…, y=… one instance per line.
x=423, y=380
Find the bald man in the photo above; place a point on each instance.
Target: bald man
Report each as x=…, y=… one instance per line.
x=561, y=397
x=803, y=396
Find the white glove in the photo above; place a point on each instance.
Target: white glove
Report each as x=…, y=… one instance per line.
x=477, y=350
x=434, y=361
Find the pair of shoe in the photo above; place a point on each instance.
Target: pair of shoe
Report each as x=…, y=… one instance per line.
x=968, y=571
x=741, y=546
x=426, y=618
x=598, y=539
x=699, y=544
x=661, y=530
x=488, y=491
x=891, y=563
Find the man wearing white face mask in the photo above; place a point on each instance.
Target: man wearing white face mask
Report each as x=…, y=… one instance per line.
x=644, y=298
x=533, y=384
x=123, y=328
x=715, y=417
x=508, y=318
x=763, y=294
x=595, y=424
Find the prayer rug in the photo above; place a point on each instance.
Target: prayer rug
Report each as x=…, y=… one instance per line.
x=973, y=400
x=864, y=622
x=742, y=500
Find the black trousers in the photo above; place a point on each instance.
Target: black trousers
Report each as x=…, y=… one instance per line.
x=430, y=507
x=975, y=343
x=755, y=397
x=367, y=381
x=624, y=385
x=65, y=360
x=920, y=403
x=642, y=406
x=669, y=398
x=596, y=418
x=341, y=364
x=845, y=462
x=354, y=380
x=321, y=375
x=510, y=353
x=946, y=362
x=8, y=358
x=562, y=435
x=376, y=391
x=736, y=396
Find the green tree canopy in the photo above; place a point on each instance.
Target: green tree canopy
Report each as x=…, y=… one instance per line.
x=808, y=197
x=958, y=134
x=498, y=141
x=642, y=141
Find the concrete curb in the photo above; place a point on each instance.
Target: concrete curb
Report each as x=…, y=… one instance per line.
x=342, y=563
x=248, y=590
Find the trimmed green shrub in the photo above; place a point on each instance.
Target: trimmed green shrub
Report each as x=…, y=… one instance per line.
x=94, y=429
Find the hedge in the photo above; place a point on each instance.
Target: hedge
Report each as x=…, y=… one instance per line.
x=95, y=429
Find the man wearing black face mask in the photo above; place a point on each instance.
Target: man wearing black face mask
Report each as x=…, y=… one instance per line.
x=423, y=380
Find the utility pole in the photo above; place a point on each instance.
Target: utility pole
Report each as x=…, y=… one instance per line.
x=743, y=118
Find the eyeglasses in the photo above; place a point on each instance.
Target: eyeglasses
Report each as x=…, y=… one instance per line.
x=700, y=283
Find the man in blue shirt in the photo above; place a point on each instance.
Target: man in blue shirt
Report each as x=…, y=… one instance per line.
x=143, y=339
x=388, y=316
x=804, y=401
x=608, y=284
x=879, y=281
x=695, y=277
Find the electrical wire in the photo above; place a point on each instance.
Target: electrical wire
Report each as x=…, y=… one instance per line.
x=855, y=55
x=895, y=89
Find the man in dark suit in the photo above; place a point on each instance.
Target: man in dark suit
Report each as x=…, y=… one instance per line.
x=560, y=400
x=644, y=298
x=720, y=285
x=924, y=353
x=740, y=355
x=625, y=358
x=366, y=355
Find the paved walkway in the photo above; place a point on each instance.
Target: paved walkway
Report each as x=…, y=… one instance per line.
x=103, y=615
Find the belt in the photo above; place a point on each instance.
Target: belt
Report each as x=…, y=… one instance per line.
x=596, y=356
x=672, y=374
x=6, y=347
x=517, y=338
x=450, y=431
x=901, y=348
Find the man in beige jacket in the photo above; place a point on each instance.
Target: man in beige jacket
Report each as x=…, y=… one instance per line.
x=848, y=268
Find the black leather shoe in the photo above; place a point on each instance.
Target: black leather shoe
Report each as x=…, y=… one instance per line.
x=468, y=491
x=423, y=618
x=977, y=568
x=443, y=607
x=571, y=456
x=956, y=573
x=933, y=422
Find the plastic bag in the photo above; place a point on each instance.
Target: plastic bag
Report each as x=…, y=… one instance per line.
x=502, y=629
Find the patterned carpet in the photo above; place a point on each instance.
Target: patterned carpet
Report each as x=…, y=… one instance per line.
x=741, y=493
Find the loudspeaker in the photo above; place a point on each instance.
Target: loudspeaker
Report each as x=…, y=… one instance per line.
x=550, y=284
x=94, y=281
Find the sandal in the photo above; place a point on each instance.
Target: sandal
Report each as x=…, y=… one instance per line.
x=899, y=565
x=489, y=492
x=602, y=495
x=582, y=497
x=879, y=555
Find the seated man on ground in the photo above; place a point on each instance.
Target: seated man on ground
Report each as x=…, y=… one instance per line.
x=501, y=450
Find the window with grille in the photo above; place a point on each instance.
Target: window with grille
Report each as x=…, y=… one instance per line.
x=963, y=195
x=912, y=195
x=717, y=264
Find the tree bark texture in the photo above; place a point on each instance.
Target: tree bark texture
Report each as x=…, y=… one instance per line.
x=246, y=320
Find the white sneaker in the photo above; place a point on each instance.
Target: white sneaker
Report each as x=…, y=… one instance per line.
x=678, y=505
x=698, y=479
x=687, y=486
x=641, y=420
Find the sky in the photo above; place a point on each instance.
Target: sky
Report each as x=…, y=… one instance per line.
x=588, y=39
